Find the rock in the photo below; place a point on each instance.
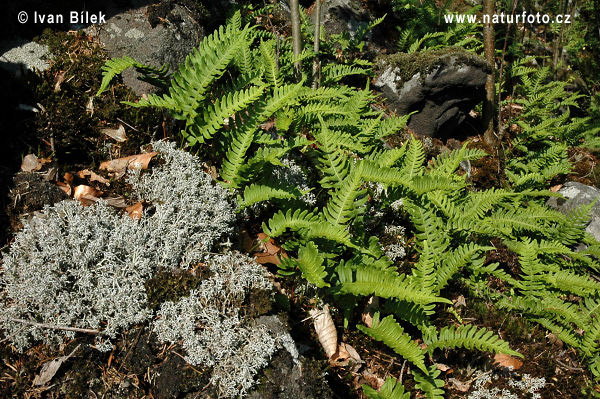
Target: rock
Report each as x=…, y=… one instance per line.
x=22, y=53
x=442, y=86
x=339, y=16
x=576, y=195
x=155, y=35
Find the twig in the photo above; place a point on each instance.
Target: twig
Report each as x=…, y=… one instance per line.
x=127, y=124
x=401, y=372
x=316, y=83
x=54, y=327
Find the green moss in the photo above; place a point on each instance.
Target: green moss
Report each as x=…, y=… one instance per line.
x=424, y=62
x=172, y=286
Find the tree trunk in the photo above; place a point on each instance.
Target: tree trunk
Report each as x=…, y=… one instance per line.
x=317, y=63
x=296, y=36
x=489, y=49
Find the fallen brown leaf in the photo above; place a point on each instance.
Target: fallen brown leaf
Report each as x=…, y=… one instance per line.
x=507, y=361
x=50, y=368
x=32, y=163
x=269, y=252
x=117, y=202
x=86, y=195
x=459, y=385
x=370, y=309
x=117, y=134
x=93, y=176
x=135, y=211
x=65, y=187
x=325, y=330
x=555, y=189
x=460, y=301
x=119, y=166
x=68, y=177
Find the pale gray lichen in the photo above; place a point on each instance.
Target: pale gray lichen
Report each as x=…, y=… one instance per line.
x=527, y=387
x=86, y=267
x=212, y=330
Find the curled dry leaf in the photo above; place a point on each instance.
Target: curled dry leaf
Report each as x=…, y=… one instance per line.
x=460, y=301
x=325, y=330
x=93, y=176
x=89, y=108
x=555, y=189
x=135, y=211
x=507, y=361
x=119, y=166
x=460, y=386
x=65, y=187
x=369, y=311
x=269, y=251
x=117, y=134
x=86, y=195
x=50, y=368
x=117, y=202
x=32, y=163
x=442, y=367
x=68, y=177
x=59, y=79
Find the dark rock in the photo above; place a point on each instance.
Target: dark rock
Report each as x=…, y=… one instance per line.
x=286, y=377
x=441, y=86
x=576, y=195
x=339, y=16
x=155, y=35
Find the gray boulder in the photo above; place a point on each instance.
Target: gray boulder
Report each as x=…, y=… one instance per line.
x=576, y=195
x=339, y=16
x=153, y=35
x=441, y=86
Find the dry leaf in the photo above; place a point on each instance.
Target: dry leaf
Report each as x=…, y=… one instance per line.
x=555, y=189
x=325, y=329
x=341, y=357
x=89, y=108
x=459, y=385
x=117, y=134
x=460, y=301
x=269, y=251
x=507, y=361
x=119, y=166
x=442, y=367
x=369, y=311
x=135, y=211
x=50, y=368
x=65, y=187
x=32, y=163
x=59, y=79
x=117, y=202
x=372, y=379
x=93, y=176
x=86, y=195
x=352, y=352
x=68, y=177
x=50, y=174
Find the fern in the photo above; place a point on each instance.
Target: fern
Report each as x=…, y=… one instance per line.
x=391, y=389
x=392, y=334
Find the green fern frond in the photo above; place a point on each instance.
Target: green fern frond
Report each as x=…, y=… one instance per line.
x=392, y=334
x=391, y=389
x=310, y=263
x=368, y=280
x=335, y=72
x=469, y=337
x=262, y=192
x=296, y=220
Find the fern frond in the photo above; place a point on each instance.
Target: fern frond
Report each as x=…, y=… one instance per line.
x=296, y=220
x=469, y=337
x=262, y=192
x=392, y=334
x=391, y=389
x=429, y=383
x=310, y=263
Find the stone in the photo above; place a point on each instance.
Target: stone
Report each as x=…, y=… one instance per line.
x=576, y=195
x=23, y=54
x=440, y=86
x=154, y=35
x=339, y=16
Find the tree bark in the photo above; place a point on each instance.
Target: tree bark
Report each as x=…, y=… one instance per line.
x=489, y=49
x=317, y=63
x=296, y=36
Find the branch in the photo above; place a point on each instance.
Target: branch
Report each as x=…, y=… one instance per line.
x=54, y=327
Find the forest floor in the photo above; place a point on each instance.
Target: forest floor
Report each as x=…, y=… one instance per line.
x=69, y=142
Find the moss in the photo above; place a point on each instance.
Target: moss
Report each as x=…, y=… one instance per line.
x=172, y=286
x=425, y=61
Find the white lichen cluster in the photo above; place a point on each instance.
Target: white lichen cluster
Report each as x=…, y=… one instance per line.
x=86, y=267
x=293, y=174
x=212, y=329
x=527, y=387
x=396, y=249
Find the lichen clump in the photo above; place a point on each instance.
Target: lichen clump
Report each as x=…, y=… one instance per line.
x=213, y=330
x=87, y=267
